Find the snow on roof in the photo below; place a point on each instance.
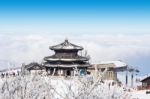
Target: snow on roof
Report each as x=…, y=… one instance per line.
x=63, y=59
x=57, y=58
x=144, y=77
x=117, y=63
x=66, y=45
x=66, y=65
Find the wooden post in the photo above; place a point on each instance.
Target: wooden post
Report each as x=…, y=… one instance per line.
x=127, y=77
x=132, y=79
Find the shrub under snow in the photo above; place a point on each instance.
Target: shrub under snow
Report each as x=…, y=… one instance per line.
x=51, y=87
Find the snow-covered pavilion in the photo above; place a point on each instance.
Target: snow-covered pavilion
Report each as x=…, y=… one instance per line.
x=66, y=59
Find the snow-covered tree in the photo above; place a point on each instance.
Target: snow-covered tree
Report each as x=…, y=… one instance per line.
x=58, y=87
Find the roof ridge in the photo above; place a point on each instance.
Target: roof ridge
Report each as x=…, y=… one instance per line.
x=66, y=45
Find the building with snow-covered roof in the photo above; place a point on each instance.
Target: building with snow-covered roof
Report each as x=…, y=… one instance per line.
x=146, y=82
x=66, y=59
x=33, y=68
x=119, y=65
x=112, y=68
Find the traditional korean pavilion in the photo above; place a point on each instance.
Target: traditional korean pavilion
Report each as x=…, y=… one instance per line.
x=66, y=60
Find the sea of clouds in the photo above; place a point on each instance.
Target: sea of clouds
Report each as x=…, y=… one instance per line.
x=25, y=48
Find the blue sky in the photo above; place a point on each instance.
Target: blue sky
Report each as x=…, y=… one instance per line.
x=83, y=20
x=75, y=15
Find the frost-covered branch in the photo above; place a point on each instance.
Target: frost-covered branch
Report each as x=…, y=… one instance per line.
x=59, y=87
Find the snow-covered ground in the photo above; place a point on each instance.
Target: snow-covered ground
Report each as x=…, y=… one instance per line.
x=140, y=94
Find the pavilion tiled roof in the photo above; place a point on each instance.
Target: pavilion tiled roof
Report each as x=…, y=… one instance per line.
x=55, y=58
x=66, y=45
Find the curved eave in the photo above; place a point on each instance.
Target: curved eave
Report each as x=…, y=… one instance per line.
x=63, y=59
x=65, y=66
x=65, y=48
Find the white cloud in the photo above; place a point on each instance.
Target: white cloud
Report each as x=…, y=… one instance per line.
x=33, y=47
